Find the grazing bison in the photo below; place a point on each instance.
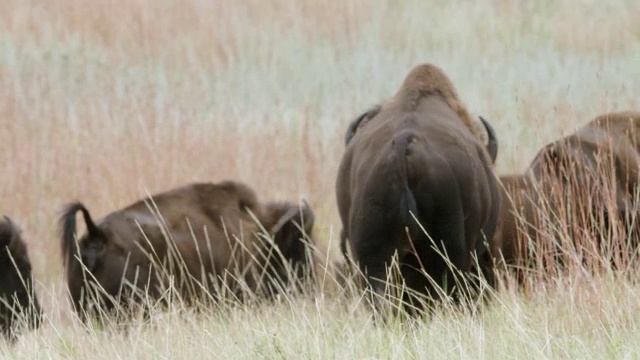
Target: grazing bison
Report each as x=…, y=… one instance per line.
x=18, y=302
x=517, y=221
x=588, y=186
x=505, y=239
x=203, y=238
x=419, y=156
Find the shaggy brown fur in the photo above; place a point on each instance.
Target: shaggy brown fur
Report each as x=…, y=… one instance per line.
x=428, y=80
x=202, y=237
x=18, y=302
x=596, y=170
x=517, y=220
x=416, y=155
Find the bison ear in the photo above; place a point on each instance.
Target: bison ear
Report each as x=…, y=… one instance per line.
x=293, y=224
x=353, y=127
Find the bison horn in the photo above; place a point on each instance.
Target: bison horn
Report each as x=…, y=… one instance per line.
x=308, y=215
x=351, y=130
x=492, y=141
x=304, y=210
x=284, y=219
x=353, y=127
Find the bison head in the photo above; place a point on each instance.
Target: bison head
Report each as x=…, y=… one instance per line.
x=18, y=302
x=584, y=187
x=574, y=171
x=290, y=227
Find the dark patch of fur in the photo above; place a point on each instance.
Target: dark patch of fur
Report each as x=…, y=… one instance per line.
x=19, y=304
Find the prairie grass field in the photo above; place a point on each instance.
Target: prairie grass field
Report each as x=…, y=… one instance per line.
x=108, y=101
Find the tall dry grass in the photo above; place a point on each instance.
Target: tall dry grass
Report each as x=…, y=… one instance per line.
x=569, y=216
x=106, y=101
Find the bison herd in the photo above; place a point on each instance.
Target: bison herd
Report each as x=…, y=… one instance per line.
x=424, y=218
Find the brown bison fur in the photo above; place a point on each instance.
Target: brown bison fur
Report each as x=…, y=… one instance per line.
x=516, y=223
x=19, y=305
x=589, y=181
x=428, y=80
x=208, y=239
x=418, y=155
x=425, y=81
x=504, y=245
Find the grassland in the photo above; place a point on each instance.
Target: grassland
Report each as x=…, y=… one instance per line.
x=106, y=101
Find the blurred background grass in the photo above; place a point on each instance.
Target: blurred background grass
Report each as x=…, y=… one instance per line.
x=105, y=101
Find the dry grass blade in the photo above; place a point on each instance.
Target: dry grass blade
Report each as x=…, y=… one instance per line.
x=101, y=100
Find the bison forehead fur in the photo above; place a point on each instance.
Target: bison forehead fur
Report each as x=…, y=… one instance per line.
x=17, y=297
x=418, y=156
x=205, y=235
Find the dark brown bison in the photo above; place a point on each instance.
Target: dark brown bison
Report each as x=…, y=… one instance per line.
x=588, y=183
x=505, y=245
x=214, y=240
x=419, y=156
x=517, y=223
x=19, y=306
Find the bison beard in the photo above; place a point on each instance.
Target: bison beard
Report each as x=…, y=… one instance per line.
x=418, y=157
x=206, y=241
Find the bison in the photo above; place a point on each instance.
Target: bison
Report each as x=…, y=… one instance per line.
x=416, y=181
x=212, y=240
x=588, y=188
x=504, y=246
x=19, y=306
x=516, y=224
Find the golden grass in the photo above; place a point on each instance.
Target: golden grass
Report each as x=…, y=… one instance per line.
x=104, y=101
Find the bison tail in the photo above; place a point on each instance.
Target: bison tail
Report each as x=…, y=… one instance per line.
x=409, y=212
x=408, y=204
x=68, y=229
x=408, y=207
